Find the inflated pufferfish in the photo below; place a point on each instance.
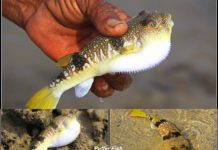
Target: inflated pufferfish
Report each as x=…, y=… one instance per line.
x=143, y=46
x=62, y=131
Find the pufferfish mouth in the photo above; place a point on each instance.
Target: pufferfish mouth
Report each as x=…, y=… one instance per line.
x=171, y=23
x=168, y=19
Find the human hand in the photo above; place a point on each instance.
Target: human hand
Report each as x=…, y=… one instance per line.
x=61, y=27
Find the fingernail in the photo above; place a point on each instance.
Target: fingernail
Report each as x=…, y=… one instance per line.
x=113, y=22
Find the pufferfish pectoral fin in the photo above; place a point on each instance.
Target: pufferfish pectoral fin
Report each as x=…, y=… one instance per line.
x=131, y=48
x=64, y=61
x=83, y=88
x=127, y=49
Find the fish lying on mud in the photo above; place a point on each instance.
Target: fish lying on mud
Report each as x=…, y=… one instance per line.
x=143, y=46
x=62, y=131
x=171, y=135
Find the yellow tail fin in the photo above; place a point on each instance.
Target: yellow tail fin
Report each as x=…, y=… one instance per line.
x=137, y=113
x=43, y=99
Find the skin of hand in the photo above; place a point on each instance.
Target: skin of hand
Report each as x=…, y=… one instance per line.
x=61, y=27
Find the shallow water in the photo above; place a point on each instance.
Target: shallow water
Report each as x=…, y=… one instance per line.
x=185, y=80
x=197, y=125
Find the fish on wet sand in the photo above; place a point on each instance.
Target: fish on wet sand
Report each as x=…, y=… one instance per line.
x=171, y=135
x=143, y=46
x=62, y=131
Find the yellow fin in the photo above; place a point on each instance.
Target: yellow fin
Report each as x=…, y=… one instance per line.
x=155, y=118
x=64, y=61
x=43, y=99
x=132, y=48
x=138, y=113
x=127, y=49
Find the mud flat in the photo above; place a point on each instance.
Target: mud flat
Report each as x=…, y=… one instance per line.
x=199, y=126
x=21, y=126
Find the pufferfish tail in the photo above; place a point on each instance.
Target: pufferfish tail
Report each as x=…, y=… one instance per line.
x=43, y=99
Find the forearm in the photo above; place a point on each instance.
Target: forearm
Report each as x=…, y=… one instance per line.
x=19, y=11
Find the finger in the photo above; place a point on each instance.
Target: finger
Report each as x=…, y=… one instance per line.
x=108, y=19
x=119, y=82
x=101, y=88
x=122, y=15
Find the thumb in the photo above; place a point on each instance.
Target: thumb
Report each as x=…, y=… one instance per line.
x=108, y=19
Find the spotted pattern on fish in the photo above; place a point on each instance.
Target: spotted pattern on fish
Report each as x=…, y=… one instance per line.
x=102, y=48
x=171, y=135
x=166, y=128
x=97, y=51
x=117, y=43
x=32, y=147
x=41, y=138
x=177, y=143
x=68, y=71
x=56, y=126
x=158, y=122
x=141, y=13
x=144, y=22
x=62, y=75
x=140, y=48
x=78, y=61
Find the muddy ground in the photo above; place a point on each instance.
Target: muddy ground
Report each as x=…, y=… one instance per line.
x=21, y=127
x=198, y=126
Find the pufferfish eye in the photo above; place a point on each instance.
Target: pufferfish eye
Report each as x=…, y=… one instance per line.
x=152, y=23
x=149, y=22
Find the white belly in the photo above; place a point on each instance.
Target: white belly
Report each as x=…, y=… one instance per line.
x=67, y=136
x=150, y=56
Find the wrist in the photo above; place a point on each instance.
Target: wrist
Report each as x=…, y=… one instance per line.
x=19, y=11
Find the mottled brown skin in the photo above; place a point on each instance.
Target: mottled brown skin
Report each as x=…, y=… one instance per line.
x=172, y=138
x=178, y=143
x=104, y=47
x=58, y=122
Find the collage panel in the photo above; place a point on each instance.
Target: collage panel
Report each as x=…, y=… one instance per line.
x=185, y=79
x=114, y=129
x=164, y=129
x=59, y=129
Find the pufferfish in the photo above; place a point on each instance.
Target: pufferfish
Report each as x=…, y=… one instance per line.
x=143, y=46
x=62, y=131
x=171, y=135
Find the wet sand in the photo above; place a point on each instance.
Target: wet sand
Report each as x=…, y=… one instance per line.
x=199, y=126
x=186, y=79
x=20, y=127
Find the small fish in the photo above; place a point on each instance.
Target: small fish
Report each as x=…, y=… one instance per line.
x=143, y=46
x=62, y=131
x=171, y=135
